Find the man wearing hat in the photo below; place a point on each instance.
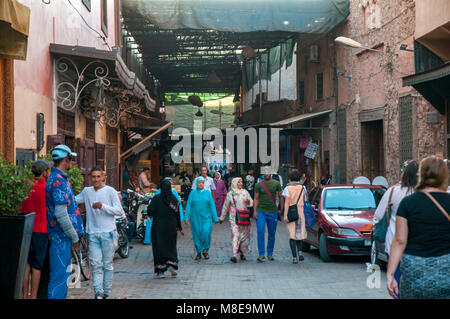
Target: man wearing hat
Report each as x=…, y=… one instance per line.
x=35, y=203
x=64, y=222
x=267, y=211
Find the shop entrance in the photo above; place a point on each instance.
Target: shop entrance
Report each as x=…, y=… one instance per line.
x=372, y=149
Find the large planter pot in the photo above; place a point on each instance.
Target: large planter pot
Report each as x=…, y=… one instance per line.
x=15, y=238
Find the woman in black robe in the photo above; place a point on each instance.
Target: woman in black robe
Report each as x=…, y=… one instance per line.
x=166, y=221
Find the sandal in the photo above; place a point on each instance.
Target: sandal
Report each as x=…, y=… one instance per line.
x=294, y=260
x=198, y=257
x=243, y=257
x=233, y=259
x=205, y=255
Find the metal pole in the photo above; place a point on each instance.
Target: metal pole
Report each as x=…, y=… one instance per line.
x=260, y=93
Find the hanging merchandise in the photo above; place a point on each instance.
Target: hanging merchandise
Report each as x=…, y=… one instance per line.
x=304, y=142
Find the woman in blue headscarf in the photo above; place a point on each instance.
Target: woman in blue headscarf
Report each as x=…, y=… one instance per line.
x=201, y=210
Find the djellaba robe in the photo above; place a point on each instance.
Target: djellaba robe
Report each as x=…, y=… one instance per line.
x=220, y=195
x=240, y=234
x=201, y=210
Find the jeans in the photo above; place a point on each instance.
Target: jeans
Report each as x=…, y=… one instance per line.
x=101, y=253
x=60, y=254
x=271, y=219
x=131, y=230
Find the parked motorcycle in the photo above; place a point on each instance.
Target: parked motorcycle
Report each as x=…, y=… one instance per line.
x=137, y=210
x=122, y=230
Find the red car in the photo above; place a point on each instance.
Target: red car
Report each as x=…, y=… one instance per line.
x=344, y=219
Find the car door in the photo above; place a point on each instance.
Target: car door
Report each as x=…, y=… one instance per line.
x=316, y=202
x=312, y=232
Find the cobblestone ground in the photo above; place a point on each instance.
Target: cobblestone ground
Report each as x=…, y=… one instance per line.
x=218, y=278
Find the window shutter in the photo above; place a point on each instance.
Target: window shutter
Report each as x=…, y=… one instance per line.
x=100, y=155
x=54, y=140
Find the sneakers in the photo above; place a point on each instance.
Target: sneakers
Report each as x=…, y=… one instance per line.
x=173, y=272
x=270, y=257
x=243, y=257
x=98, y=296
x=261, y=258
x=233, y=259
x=105, y=297
x=159, y=276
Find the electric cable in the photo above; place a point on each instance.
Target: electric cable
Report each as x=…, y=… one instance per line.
x=101, y=36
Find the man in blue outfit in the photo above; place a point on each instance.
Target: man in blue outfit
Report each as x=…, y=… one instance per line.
x=64, y=223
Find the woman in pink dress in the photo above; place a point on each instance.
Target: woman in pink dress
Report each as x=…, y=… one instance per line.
x=220, y=193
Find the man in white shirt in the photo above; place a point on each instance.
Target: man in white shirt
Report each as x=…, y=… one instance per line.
x=102, y=205
x=209, y=182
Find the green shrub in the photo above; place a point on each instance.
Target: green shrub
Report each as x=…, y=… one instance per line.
x=74, y=175
x=15, y=186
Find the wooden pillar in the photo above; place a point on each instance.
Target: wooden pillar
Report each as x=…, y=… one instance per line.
x=7, y=108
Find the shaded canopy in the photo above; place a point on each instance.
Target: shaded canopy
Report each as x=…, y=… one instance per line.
x=185, y=43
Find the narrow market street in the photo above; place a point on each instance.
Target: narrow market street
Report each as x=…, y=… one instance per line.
x=219, y=278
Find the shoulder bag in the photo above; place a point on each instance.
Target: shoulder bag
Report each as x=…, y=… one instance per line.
x=381, y=228
x=292, y=213
x=308, y=211
x=263, y=185
x=438, y=205
x=242, y=216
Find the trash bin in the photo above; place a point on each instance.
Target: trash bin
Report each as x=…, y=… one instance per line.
x=148, y=230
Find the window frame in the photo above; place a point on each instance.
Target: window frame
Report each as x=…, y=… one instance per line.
x=87, y=4
x=317, y=86
x=104, y=16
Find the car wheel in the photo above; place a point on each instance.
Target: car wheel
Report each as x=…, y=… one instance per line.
x=305, y=246
x=323, y=251
x=374, y=260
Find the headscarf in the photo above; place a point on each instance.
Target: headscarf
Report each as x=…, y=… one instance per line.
x=234, y=186
x=167, y=195
x=200, y=178
x=220, y=175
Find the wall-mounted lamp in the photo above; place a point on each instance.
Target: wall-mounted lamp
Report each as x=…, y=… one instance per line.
x=403, y=47
x=353, y=44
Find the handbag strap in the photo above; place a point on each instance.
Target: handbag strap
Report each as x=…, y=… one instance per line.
x=300, y=194
x=388, y=205
x=263, y=185
x=438, y=205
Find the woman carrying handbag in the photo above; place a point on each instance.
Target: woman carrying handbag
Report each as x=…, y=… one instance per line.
x=422, y=237
x=236, y=205
x=295, y=197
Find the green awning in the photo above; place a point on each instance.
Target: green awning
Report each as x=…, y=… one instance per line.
x=306, y=16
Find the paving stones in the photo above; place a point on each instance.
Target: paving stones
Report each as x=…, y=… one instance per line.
x=219, y=278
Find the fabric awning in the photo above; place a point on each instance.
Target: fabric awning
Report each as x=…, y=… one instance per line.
x=306, y=16
x=14, y=28
x=299, y=118
x=434, y=85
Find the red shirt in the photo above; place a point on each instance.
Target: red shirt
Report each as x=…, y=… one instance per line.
x=36, y=204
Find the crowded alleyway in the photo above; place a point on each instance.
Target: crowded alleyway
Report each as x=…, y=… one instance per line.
x=218, y=278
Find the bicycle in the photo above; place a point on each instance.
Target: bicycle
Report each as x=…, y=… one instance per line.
x=82, y=253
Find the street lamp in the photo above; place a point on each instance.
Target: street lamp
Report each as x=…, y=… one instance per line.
x=352, y=43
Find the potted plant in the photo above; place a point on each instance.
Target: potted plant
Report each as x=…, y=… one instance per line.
x=15, y=227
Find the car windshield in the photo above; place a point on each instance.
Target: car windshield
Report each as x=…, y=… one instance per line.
x=351, y=199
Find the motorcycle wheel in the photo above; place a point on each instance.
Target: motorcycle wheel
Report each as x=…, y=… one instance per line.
x=124, y=251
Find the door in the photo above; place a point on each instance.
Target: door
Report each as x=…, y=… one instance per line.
x=112, y=167
x=154, y=157
x=372, y=149
x=85, y=158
